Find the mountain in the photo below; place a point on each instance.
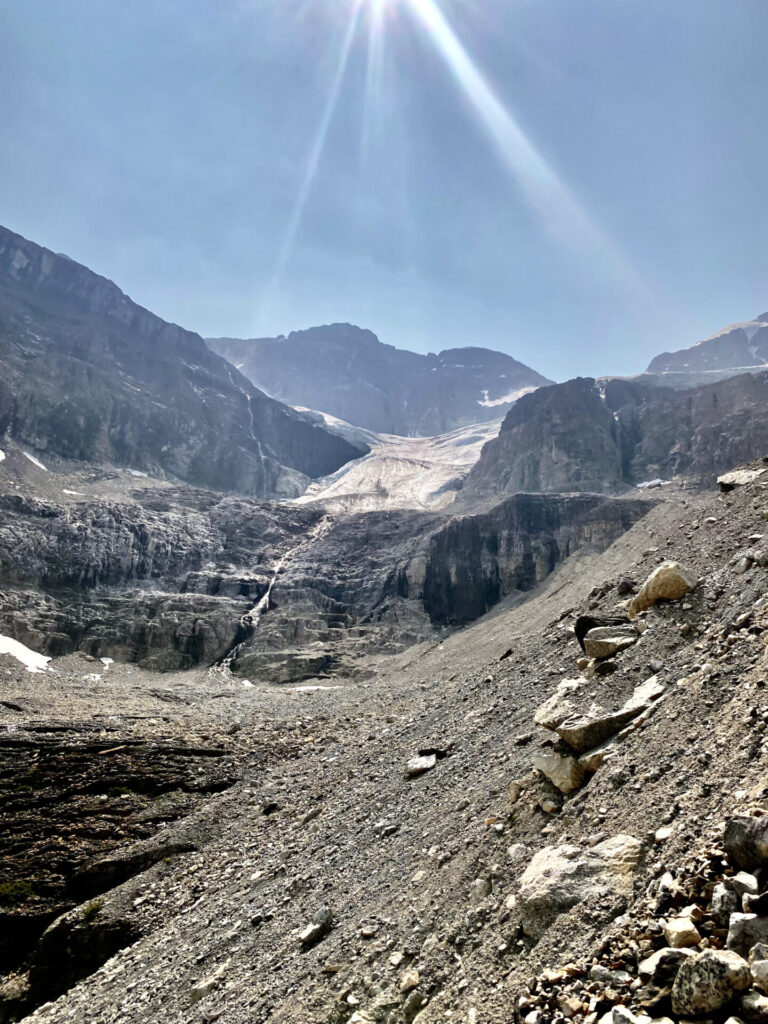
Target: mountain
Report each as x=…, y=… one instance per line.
x=735, y=347
x=90, y=376
x=606, y=435
x=347, y=372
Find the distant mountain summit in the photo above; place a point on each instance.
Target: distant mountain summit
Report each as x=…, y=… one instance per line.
x=346, y=371
x=736, y=347
x=90, y=376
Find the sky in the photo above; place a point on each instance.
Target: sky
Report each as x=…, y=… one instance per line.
x=579, y=183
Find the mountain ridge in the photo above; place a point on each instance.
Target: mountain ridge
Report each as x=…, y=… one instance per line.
x=346, y=371
x=92, y=376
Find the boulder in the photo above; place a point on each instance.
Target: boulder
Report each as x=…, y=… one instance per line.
x=745, y=931
x=708, y=981
x=560, y=877
x=563, y=771
x=668, y=582
x=738, y=478
x=605, y=641
x=746, y=841
x=583, y=733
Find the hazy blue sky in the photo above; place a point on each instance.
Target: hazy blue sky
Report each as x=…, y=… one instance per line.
x=581, y=183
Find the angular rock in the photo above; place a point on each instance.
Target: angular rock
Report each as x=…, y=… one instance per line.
x=760, y=973
x=681, y=932
x=605, y=641
x=479, y=890
x=664, y=964
x=738, y=478
x=744, y=931
x=562, y=771
x=743, y=883
x=318, y=928
x=754, y=1007
x=708, y=981
x=559, y=877
x=553, y=711
x=668, y=582
x=419, y=765
x=588, y=731
x=746, y=841
x=724, y=903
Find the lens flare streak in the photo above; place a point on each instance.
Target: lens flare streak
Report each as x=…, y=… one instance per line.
x=551, y=199
x=318, y=145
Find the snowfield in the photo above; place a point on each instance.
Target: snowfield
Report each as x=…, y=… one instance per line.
x=402, y=472
x=34, y=662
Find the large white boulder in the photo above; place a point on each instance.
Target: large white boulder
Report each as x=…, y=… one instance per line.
x=668, y=582
x=560, y=877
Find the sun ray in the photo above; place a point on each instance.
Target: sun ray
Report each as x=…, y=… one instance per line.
x=318, y=145
x=547, y=194
x=373, y=97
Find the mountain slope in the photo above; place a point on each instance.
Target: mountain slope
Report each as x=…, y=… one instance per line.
x=89, y=375
x=734, y=347
x=347, y=372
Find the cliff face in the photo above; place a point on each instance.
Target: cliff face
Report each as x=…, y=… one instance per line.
x=89, y=375
x=588, y=435
x=170, y=579
x=347, y=372
x=475, y=561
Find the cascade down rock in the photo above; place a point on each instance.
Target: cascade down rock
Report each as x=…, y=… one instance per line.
x=559, y=877
x=668, y=582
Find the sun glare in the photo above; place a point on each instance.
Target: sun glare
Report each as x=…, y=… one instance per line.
x=557, y=209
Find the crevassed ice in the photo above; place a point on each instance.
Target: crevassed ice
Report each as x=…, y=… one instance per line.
x=31, y=659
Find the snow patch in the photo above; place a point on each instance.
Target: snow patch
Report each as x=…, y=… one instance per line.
x=490, y=403
x=247, y=684
x=75, y=494
x=106, y=662
x=34, y=662
x=2, y=455
x=35, y=461
x=657, y=482
x=137, y=472
x=312, y=689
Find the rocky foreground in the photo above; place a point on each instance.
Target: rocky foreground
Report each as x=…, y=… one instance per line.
x=492, y=825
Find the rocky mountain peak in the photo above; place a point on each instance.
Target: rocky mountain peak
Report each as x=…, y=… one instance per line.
x=349, y=373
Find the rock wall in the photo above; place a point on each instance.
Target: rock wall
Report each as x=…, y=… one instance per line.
x=171, y=579
x=607, y=435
